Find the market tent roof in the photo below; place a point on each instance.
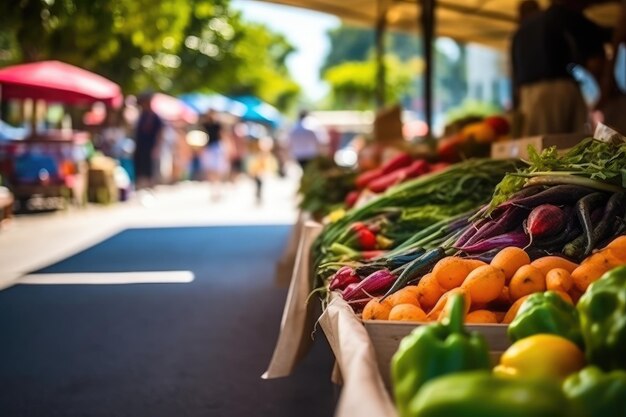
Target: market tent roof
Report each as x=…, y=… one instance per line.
x=172, y=109
x=201, y=103
x=488, y=22
x=55, y=81
x=259, y=111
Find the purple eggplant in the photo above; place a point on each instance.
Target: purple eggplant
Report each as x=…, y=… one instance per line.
x=559, y=194
x=374, y=284
x=515, y=238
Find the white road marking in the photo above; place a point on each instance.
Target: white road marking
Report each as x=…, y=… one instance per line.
x=100, y=278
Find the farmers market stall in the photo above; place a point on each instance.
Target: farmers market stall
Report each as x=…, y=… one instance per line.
x=510, y=260
x=47, y=169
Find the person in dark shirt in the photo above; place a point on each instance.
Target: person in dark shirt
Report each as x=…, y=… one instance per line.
x=545, y=49
x=147, y=142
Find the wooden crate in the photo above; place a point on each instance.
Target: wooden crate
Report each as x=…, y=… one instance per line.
x=386, y=336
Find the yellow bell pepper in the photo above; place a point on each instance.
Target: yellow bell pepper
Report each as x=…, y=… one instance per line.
x=541, y=355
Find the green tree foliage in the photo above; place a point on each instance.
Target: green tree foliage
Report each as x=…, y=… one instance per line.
x=168, y=45
x=349, y=66
x=348, y=43
x=353, y=83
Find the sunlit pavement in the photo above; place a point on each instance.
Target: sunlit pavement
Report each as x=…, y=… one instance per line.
x=30, y=242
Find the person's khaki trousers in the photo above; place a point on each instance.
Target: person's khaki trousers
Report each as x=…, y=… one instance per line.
x=554, y=106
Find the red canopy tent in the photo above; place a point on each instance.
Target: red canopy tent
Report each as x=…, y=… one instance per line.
x=55, y=81
x=172, y=109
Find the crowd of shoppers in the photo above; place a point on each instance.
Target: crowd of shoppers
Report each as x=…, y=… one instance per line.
x=147, y=146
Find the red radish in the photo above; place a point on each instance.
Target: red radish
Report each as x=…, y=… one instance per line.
x=399, y=161
x=343, y=278
x=545, y=220
x=366, y=239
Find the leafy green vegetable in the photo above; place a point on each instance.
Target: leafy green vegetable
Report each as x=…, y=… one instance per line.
x=324, y=186
x=429, y=200
x=595, y=160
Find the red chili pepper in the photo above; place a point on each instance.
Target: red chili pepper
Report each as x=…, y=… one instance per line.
x=366, y=177
x=383, y=183
x=399, y=161
x=417, y=168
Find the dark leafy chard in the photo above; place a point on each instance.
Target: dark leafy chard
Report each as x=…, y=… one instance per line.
x=592, y=163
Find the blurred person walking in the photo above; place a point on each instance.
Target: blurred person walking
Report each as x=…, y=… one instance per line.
x=148, y=137
x=306, y=140
x=237, y=149
x=260, y=161
x=545, y=49
x=214, y=157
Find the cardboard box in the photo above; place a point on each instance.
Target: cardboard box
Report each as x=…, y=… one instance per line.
x=518, y=148
x=386, y=336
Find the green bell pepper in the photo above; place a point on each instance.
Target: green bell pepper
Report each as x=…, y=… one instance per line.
x=481, y=394
x=596, y=393
x=434, y=350
x=603, y=320
x=546, y=312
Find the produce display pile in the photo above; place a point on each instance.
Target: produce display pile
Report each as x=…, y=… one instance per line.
x=541, y=230
x=537, y=247
x=565, y=361
x=493, y=292
x=395, y=232
x=564, y=206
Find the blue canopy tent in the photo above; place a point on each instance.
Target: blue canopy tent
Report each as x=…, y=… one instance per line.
x=259, y=111
x=201, y=103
